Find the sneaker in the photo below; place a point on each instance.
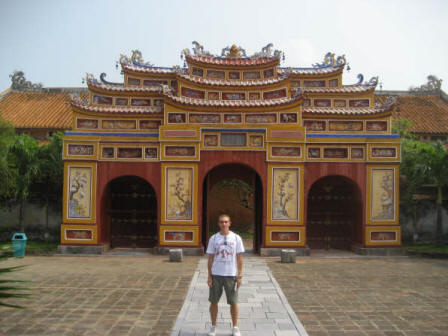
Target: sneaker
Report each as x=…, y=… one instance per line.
x=212, y=331
x=236, y=331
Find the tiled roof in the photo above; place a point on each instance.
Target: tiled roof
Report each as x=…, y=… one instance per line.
x=218, y=82
x=147, y=69
x=122, y=88
x=117, y=109
x=233, y=103
x=343, y=89
x=238, y=61
x=429, y=114
x=37, y=109
x=347, y=111
x=310, y=71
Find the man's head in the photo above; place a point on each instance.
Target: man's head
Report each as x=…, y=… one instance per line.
x=224, y=222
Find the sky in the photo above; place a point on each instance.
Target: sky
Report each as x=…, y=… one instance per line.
x=56, y=42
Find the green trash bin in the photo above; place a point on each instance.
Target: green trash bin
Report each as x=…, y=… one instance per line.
x=19, y=244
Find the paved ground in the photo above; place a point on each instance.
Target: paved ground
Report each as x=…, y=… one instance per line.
x=263, y=309
x=367, y=296
x=99, y=296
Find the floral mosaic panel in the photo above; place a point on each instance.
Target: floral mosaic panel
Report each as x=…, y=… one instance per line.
x=383, y=152
x=79, y=192
x=178, y=236
x=382, y=196
x=80, y=149
x=179, y=193
x=285, y=191
x=78, y=234
x=340, y=103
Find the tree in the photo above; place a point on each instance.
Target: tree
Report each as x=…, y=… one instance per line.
x=7, y=136
x=24, y=159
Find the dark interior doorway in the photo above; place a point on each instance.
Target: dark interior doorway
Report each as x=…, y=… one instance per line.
x=236, y=190
x=132, y=213
x=334, y=213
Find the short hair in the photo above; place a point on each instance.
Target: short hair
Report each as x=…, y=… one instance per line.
x=224, y=215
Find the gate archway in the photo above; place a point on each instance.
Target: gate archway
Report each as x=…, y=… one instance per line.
x=334, y=213
x=236, y=190
x=131, y=209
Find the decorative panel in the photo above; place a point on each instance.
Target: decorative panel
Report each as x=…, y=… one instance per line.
x=186, y=92
x=102, y=100
x=204, y=118
x=233, y=139
x=261, y=118
x=384, y=152
x=213, y=95
x=276, y=94
x=286, y=151
x=151, y=152
x=314, y=83
x=79, y=192
x=148, y=82
x=233, y=96
x=335, y=153
x=333, y=82
x=287, y=236
x=313, y=152
x=86, y=123
x=340, y=103
x=285, y=194
x=359, y=103
x=382, y=193
x=79, y=234
x=376, y=126
x=158, y=102
x=180, y=194
x=230, y=118
x=306, y=103
x=210, y=140
x=345, y=126
x=140, y=102
x=215, y=74
x=180, y=235
x=248, y=75
x=254, y=96
x=129, y=153
x=322, y=102
x=288, y=118
x=295, y=84
x=176, y=118
x=121, y=101
x=357, y=153
x=150, y=124
x=176, y=236
x=268, y=73
x=198, y=72
x=85, y=150
x=133, y=81
x=256, y=141
x=108, y=152
x=189, y=151
x=234, y=75
x=119, y=124
x=383, y=236
x=314, y=125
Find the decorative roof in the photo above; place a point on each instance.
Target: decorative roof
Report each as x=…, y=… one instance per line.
x=429, y=114
x=136, y=63
x=92, y=82
x=342, y=89
x=232, y=103
x=387, y=105
x=217, y=82
x=76, y=102
x=37, y=109
x=309, y=71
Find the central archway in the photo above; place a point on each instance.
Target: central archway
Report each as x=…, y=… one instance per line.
x=334, y=213
x=131, y=208
x=236, y=190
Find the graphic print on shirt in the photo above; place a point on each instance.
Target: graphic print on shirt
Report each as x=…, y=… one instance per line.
x=225, y=252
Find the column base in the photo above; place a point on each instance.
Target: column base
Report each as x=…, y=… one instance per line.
x=277, y=251
x=379, y=251
x=186, y=251
x=81, y=249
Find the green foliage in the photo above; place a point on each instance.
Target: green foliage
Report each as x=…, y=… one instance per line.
x=9, y=289
x=7, y=174
x=402, y=126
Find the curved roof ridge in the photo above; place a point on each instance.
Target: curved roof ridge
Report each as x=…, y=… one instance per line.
x=218, y=82
x=75, y=102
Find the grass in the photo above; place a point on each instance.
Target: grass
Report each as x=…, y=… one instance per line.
x=33, y=246
x=427, y=248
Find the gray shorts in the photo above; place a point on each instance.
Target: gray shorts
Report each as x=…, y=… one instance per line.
x=228, y=282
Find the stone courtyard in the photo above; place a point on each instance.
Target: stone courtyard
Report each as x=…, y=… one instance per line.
x=118, y=295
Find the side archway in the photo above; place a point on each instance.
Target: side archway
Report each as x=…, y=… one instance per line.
x=334, y=213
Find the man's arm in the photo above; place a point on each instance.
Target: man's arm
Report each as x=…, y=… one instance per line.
x=209, y=266
x=239, y=263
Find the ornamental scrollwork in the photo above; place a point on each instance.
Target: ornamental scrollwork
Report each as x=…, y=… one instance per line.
x=267, y=51
x=233, y=52
x=433, y=85
x=19, y=82
x=330, y=60
x=104, y=81
x=136, y=58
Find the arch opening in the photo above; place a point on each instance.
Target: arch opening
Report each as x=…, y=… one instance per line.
x=236, y=190
x=131, y=209
x=334, y=213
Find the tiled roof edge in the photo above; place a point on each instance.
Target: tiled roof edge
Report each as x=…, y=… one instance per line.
x=4, y=93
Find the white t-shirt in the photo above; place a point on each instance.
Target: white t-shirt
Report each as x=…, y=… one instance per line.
x=225, y=249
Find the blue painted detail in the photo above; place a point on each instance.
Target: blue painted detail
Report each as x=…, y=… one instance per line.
x=138, y=135
x=256, y=130
x=151, y=66
x=387, y=136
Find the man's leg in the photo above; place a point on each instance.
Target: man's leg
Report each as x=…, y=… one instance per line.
x=234, y=314
x=213, y=313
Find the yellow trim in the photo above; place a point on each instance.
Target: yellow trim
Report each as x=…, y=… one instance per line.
x=300, y=194
x=285, y=128
x=194, y=191
x=194, y=229
x=370, y=229
x=92, y=228
x=234, y=148
x=67, y=166
x=369, y=219
x=180, y=127
x=300, y=229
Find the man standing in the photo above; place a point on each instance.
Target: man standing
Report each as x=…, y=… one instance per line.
x=225, y=269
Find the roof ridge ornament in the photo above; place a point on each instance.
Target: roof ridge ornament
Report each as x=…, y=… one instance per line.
x=433, y=85
x=266, y=52
x=19, y=82
x=233, y=51
x=331, y=61
x=104, y=81
x=136, y=59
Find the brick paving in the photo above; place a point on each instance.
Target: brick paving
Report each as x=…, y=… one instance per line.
x=367, y=296
x=89, y=296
